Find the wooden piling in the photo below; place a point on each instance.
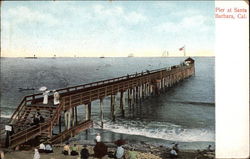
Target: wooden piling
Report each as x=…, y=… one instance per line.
x=122, y=104
x=136, y=94
x=76, y=115
x=73, y=117
x=60, y=124
x=101, y=112
x=89, y=112
x=112, y=107
x=129, y=98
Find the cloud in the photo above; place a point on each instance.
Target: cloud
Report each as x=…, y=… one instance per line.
x=164, y=5
x=188, y=23
x=135, y=17
x=118, y=14
x=24, y=15
x=107, y=12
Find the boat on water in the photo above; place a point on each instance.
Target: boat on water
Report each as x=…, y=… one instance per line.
x=131, y=55
x=31, y=57
x=102, y=57
x=26, y=89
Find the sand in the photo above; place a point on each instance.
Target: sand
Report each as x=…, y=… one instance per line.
x=143, y=152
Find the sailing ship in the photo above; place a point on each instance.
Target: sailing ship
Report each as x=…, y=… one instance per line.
x=165, y=54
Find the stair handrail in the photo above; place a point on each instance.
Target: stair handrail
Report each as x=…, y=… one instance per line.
x=18, y=110
x=47, y=125
x=57, y=114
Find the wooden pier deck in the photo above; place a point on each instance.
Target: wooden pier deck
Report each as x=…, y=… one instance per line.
x=65, y=117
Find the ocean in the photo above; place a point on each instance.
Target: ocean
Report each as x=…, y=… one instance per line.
x=184, y=114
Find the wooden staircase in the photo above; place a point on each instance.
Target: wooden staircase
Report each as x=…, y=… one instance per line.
x=28, y=132
x=24, y=131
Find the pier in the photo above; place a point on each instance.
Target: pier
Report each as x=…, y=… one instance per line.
x=63, y=121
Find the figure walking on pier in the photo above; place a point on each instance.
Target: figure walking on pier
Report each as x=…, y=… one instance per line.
x=45, y=94
x=56, y=98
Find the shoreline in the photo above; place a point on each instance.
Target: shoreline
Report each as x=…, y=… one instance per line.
x=144, y=151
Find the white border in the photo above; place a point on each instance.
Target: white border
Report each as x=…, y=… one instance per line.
x=232, y=84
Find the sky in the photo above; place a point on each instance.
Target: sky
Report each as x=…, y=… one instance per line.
x=107, y=28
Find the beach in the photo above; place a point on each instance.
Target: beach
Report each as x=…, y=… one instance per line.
x=144, y=151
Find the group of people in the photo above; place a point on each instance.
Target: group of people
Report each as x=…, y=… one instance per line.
x=100, y=150
x=46, y=96
x=73, y=151
x=43, y=148
x=70, y=150
x=37, y=118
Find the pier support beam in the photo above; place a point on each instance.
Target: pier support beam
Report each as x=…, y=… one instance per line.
x=129, y=98
x=122, y=103
x=112, y=106
x=73, y=116
x=76, y=115
x=101, y=112
x=148, y=90
x=134, y=96
x=139, y=93
x=143, y=91
x=60, y=123
x=88, y=111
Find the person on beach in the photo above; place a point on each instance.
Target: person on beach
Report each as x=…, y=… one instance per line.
x=36, y=155
x=209, y=148
x=84, y=153
x=56, y=98
x=100, y=150
x=176, y=148
x=74, y=150
x=119, y=153
x=48, y=148
x=41, y=148
x=1, y=154
x=45, y=96
x=66, y=149
x=174, y=151
x=98, y=137
x=132, y=154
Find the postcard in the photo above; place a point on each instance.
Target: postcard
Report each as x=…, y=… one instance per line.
x=125, y=79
